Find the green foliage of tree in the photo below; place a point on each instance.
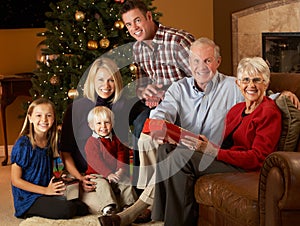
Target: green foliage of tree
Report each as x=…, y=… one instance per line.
x=77, y=32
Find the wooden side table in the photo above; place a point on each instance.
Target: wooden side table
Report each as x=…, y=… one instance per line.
x=11, y=86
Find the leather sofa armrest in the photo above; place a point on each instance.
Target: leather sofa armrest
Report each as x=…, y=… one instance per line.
x=279, y=186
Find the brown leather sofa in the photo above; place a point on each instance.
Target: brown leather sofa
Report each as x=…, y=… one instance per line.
x=270, y=197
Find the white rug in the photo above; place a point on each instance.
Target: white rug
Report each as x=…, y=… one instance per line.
x=90, y=220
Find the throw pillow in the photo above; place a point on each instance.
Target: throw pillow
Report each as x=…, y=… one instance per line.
x=290, y=124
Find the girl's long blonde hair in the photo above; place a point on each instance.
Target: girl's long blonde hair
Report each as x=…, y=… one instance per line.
x=28, y=129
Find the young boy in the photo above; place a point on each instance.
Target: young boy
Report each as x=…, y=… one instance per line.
x=107, y=159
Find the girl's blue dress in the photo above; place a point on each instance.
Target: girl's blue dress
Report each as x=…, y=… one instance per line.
x=36, y=168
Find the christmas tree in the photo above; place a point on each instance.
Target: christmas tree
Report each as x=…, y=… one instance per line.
x=78, y=32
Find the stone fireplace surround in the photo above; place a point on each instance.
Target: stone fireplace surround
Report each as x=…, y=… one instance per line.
x=249, y=24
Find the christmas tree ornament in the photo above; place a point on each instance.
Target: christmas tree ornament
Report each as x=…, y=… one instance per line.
x=119, y=24
x=104, y=43
x=73, y=93
x=79, y=16
x=120, y=1
x=92, y=44
x=54, y=80
x=133, y=69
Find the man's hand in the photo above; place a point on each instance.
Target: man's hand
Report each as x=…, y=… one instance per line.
x=152, y=94
x=292, y=97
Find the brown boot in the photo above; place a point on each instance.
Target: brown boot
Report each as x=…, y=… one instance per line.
x=110, y=220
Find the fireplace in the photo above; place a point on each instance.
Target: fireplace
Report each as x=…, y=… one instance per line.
x=279, y=22
x=282, y=51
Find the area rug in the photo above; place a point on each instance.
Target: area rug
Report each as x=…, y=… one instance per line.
x=90, y=220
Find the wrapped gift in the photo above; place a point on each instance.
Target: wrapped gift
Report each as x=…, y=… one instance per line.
x=169, y=131
x=72, y=188
x=72, y=184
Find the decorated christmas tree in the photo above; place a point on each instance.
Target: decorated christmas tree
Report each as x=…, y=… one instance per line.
x=78, y=32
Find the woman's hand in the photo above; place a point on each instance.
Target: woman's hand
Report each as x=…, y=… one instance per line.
x=195, y=144
x=55, y=188
x=201, y=144
x=87, y=184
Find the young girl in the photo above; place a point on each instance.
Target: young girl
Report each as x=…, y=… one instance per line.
x=34, y=191
x=107, y=160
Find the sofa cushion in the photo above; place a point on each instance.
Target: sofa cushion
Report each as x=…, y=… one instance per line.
x=290, y=124
x=233, y=194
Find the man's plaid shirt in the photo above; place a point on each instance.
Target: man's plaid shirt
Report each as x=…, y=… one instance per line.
x=167, y=61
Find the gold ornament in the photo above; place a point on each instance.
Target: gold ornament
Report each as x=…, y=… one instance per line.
x=133, y=69
x=54, y=80
x=79, y=16
x=73, y=93
x=119, y=24
x=104, y=43
x=92, y=44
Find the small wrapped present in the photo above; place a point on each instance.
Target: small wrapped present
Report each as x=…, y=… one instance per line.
x=168, y=131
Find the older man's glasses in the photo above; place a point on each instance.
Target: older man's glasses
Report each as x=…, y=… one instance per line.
x=254, y=80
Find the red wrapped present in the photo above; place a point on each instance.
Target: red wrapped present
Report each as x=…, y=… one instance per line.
x=166, y=130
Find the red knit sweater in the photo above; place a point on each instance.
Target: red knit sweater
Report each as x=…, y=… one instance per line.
x=105, y=156
x=255, y=138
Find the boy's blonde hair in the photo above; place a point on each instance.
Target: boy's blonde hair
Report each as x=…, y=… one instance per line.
x=28, y=128
x=101, y=112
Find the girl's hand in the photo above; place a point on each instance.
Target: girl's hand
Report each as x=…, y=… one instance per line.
x=87, y=184
x=55, y=188
x=113, y=178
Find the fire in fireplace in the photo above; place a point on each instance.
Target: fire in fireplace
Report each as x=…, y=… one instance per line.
x=282, y=51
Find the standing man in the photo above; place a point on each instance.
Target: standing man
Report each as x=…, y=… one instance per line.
x=161, y=54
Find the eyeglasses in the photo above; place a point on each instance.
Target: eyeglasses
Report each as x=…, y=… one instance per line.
x=254, y=80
